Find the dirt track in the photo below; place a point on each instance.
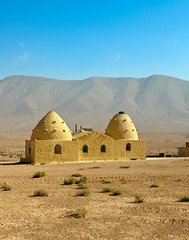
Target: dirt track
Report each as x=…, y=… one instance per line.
x=161, y=216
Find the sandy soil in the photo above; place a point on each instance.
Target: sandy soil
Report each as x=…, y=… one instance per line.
x=167, y=143
x=160, y=216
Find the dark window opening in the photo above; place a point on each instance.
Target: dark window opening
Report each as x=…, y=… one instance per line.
x=128, y=147
x=103, y=148
x=85, y=149
x=57, y=149
x=29, y=150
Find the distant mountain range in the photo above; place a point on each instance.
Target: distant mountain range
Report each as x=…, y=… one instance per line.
x=156, y=104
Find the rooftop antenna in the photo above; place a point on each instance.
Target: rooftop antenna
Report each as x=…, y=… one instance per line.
x=75, y=127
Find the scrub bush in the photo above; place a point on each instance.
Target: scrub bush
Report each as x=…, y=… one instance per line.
x=127, y=166
x=69, y=181
x=116, y=191
x=108, y=189
x=154, y=185
x=77, y=175
x=40, y=193
x=184, y=198
x=39, y=174
x=85, y=192
x=6, y=187
x=138, y=198
x=80, y=213
x=106, y=181
x=82, y=186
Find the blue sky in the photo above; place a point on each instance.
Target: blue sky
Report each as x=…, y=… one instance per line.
x=79, y=39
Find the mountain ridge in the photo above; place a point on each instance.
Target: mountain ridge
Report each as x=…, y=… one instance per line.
x=93, y=77
x=155, y=103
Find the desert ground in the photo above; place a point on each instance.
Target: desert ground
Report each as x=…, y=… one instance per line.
x=159, y=216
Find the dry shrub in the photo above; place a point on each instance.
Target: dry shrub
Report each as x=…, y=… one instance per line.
x=123, y=181
x=138, y=198
x=80, y=213
x=69, y=181
x=106, y=181
x=82, y=186
x=40, y=193
x=127, y=166
x=6, y=187
x=94, y=167
x=108, y=189
x=85, y=192
x=39, y=174
x=184, y=198
x=116, y=191
x=154, y=185
x=82, y=179
x=77, y=175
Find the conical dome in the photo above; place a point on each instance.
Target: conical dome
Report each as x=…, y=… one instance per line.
x=121, y=127
x=51, y=127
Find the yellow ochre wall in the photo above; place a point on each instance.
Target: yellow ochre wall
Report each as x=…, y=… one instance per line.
x=43, y=151
x=115, y=149
x=94, y=141
x=137, y=149
x=29, y=157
